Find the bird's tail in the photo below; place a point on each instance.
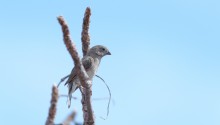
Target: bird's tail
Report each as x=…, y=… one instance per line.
x=69, y=100
x=72, y=87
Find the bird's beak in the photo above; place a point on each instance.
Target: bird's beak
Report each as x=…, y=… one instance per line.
x=108, y=53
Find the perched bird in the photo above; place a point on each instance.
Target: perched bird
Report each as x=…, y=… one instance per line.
x=91, y=63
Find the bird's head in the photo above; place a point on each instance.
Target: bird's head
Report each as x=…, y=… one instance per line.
x=99, y=51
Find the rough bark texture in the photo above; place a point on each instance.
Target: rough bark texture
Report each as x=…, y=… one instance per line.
x=53, y=104
x=84, y=79
x=85, y=31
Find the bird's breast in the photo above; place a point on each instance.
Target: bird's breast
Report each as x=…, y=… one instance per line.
x=93, y=69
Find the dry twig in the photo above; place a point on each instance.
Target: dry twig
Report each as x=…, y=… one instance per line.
x=110, y=96
x=53, y=104
x=85, y=31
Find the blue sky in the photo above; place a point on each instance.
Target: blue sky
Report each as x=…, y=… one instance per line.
x=164, y=68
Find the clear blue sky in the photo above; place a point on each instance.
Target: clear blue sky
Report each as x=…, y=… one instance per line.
x=164, y=68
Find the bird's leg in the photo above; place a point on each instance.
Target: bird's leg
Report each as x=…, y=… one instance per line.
x=69, y=100
x=69, y=95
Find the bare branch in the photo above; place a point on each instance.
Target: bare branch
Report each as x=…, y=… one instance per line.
x=75, y=98
x=53, y=104
x=73, y=52
x=67, y=40
x=85, y=31
x=94, y=99
x=83, y=77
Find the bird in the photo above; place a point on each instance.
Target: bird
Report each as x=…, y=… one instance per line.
x=91, y=63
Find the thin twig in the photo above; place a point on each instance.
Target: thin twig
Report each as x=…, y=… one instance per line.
x=53, y=104
x=110, y=96
x=67, y=96
x=94, y=99
x=85, y=31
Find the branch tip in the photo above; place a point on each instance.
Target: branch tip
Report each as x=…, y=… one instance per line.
x=53, y=104
x=85, y=38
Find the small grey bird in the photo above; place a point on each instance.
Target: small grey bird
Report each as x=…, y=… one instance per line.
x=91, y=63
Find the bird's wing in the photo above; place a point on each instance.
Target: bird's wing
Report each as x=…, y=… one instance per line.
x=72, y=76
x=87, y=63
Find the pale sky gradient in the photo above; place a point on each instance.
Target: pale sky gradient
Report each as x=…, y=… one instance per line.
x=164, y=68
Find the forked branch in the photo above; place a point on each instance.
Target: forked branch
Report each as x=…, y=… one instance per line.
x=83, y=77
x=73, y=52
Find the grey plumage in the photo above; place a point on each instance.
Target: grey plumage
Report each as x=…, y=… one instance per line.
x=91, y=63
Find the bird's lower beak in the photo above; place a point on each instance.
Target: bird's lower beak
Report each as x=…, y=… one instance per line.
x=108, y=53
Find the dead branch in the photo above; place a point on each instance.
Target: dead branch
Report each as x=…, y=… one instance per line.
x=73, y=52
x=85, y=31
x=53, y=104
x=83, y=77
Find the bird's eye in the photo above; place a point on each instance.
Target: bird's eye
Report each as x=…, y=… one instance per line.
x=103, y=49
